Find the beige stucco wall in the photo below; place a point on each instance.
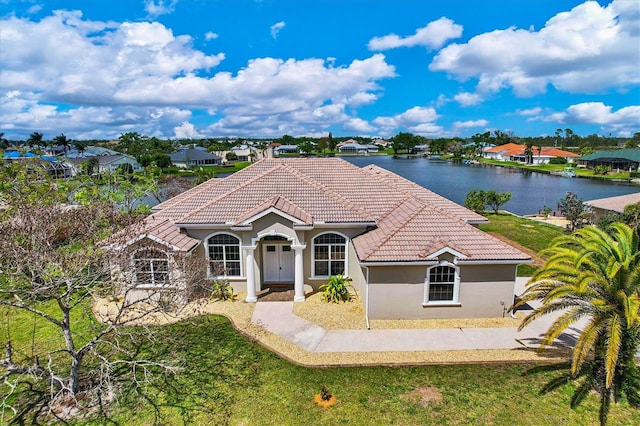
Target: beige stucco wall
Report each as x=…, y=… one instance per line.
x=398, y=292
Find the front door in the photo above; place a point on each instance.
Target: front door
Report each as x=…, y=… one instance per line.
x=278, y=265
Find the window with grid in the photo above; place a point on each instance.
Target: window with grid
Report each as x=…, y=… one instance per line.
x=224, y=255
x=441, y=284
x=152, y=268
x=329, y=254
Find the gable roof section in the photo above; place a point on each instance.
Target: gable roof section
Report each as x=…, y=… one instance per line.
x=160, y=230
x=277, y=204
x=192, y=154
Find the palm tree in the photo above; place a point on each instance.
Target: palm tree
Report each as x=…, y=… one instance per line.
x=594, y=276
x=35, y=139
x=62, y=140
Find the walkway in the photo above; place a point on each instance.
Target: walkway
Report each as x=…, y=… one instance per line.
x=278, y=318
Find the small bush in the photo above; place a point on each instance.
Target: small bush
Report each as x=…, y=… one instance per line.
x=337, y=289
x=558, y=160
x=222, y=290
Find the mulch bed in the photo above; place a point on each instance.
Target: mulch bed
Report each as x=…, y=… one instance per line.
x=276, y=295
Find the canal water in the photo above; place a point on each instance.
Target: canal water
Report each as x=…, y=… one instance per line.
x=530, y=191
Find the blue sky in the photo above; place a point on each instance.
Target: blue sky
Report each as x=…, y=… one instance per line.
x=249, y=68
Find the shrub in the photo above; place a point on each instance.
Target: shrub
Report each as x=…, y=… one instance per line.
x=601, y=170
x=476, y=200
x=337, y=289
x=558, y=160
x=222, y=290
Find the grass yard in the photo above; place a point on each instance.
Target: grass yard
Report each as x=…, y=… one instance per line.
x=229, y=380
x=529, y=234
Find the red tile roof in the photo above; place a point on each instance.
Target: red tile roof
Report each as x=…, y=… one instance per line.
x=407, y=222
x=510, y=149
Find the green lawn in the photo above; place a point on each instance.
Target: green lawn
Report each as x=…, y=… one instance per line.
x=531, y=234
x=228, y=379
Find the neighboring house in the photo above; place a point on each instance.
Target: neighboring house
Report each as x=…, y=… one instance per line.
x=90, y=151
x=622, y=159
x=297, y=221
x=602, y=206
x=57, y=168
x=516, y=152
x=357, y=148
x=243, y=152
x=111, y=163
x=192, y=157
x=380, y=142
x=285, y=149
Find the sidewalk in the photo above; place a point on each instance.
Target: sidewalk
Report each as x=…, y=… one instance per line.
x=278, y=318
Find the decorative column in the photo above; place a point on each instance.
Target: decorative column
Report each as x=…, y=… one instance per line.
x=299, y=273
x=251, y=274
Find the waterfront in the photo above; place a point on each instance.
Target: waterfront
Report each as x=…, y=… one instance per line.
x=530, y=191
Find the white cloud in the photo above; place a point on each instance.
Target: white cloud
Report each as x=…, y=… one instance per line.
x=470, y=124
x=434, y=35
x=186, y=131
x=358, y=125
x=34, y=9
x=468, y=99
x=275, y=28
x=418, y=120
x=210, y=36
x=155, y=8
x=569, y=53
x=623, y=121
x=529, y=112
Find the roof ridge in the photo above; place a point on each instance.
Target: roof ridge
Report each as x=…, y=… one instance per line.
x=408, y=193
x=225, y=194
x=330, y=192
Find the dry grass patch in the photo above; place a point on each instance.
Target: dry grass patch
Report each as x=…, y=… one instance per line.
x=423, y=396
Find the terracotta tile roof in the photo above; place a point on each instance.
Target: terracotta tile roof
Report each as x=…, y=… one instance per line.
x=616, y=204
x=510, y=149
x=158, y=229
x=407, y=222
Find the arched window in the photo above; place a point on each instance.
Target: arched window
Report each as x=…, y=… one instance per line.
x=441, y=285
x=224, y=255
x=329, y=255
x=152, y=268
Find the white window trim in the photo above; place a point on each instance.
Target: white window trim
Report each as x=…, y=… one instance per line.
x=242, y=258
x=153, y=284
x=313, y=254
x=456, y=287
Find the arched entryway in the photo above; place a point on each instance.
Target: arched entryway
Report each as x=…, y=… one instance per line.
x=278, y=261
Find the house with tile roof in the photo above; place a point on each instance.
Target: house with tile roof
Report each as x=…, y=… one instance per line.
x=516, y=152
x=409, y=252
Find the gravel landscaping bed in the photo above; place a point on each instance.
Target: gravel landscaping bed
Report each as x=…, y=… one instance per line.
x=349, y=314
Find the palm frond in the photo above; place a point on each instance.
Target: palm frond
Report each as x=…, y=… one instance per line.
x=614, y=339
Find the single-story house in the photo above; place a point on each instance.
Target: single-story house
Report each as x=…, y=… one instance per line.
x=621, y=159
x=602, y=206
x=516, y=152
x=111, y=163
x=243, y=152
x=285, y=149
x=409, y=252
x=192, y=157
x=357, y=147
x=57, y=168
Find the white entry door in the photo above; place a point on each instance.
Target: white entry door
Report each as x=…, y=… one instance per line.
x=278, y=265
